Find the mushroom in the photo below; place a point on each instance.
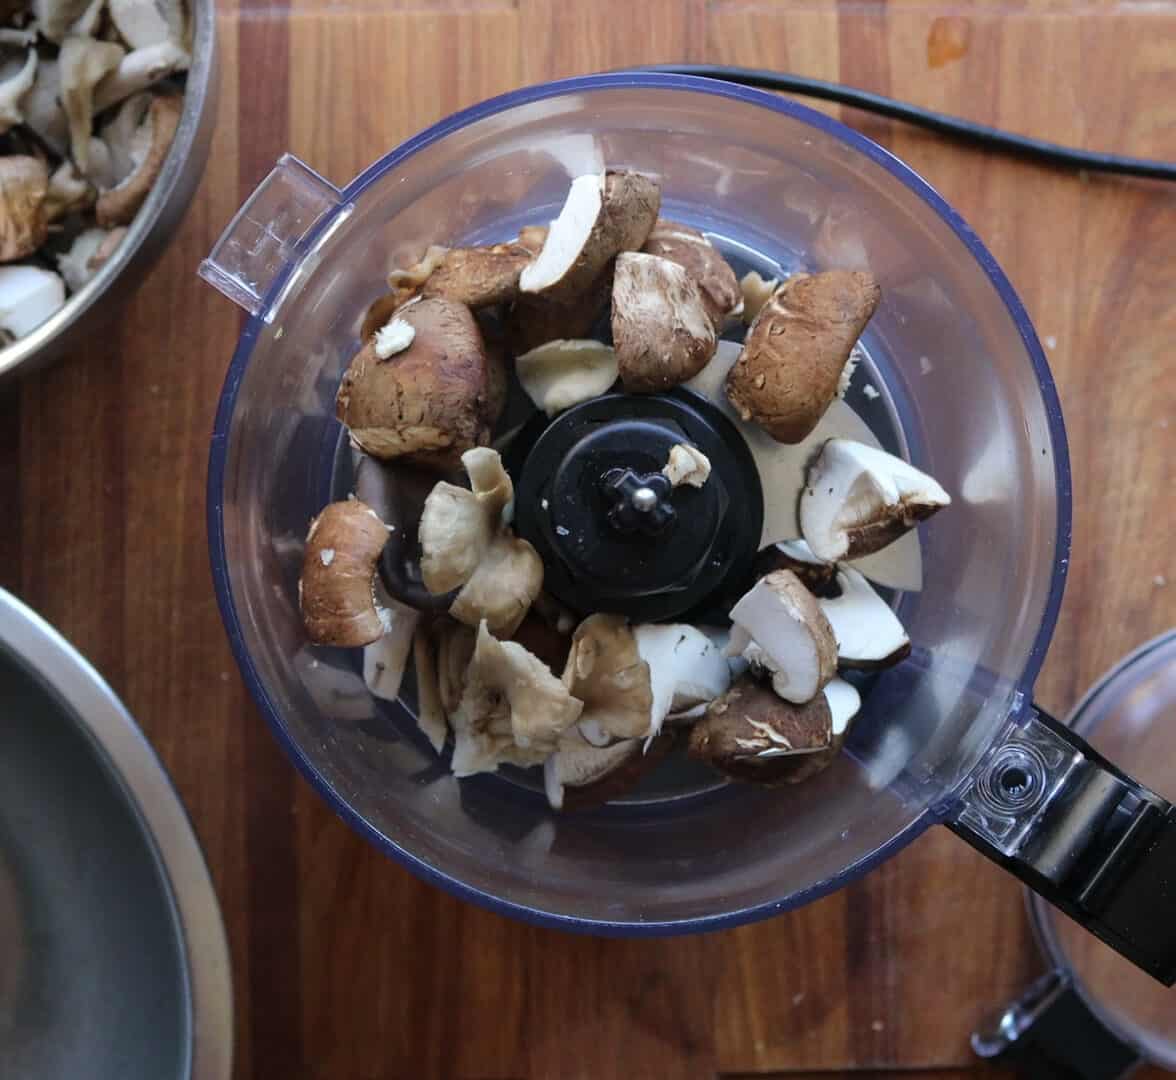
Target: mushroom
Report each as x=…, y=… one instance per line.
x=604, y=214
x=534, y=321
x=455, y=649
x=88, y=22
x=24, y=182
x=84, y=62
x=868, y=632
x=28, y=296
x=687, y=465
x=795, y=555
x=479, y=276
x=458, y=525
x=139, y=70
x=68, y=192
x=796, y=349
x=661, y=330
x=532, y=237
x=429, y=403
x=42, y=108
x=336, y=590
x=605, y=670
x=385, y=658
x=394, y=337
x=55, y=17
x=145, y=152
x=89, y=252
x=751, y=734
x=563, y=373
x=697, y=256
x=755, y=291
x=431, y=716
x=512, y=710
x=790, y=635
x=858, y=499
x=686, y=668
x=502, y=587
x=579, y=775
x=148, y=22
x=16, y=80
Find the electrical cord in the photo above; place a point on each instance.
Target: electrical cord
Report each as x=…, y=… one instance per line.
x=952, y=126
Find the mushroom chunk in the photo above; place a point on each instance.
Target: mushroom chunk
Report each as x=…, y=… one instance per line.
x=697, y=256
x=513, y=709
x=337, y=588
x=795, y=555
x=756, y=291
x=68, y=192
x=384, y=660
x=24, y=182
x=428, y=403
x=42, y=108
x=148, y=22
x=579, y=775
x=479, y=277
x=28, y=296
x=457, y=525
x=687, y=465
x=138, y=71
x=502, y=587
x=563, y=373
x=857, y=500
x=661, y=330
x=16, y=80
x=797, y=348
x=868, y=633
x=143, y=154
x=84, y=62
x=55, y=17
x=90, y=251
x=790, y=635
x=605, y=670
x=686, y=668
x=431, y=717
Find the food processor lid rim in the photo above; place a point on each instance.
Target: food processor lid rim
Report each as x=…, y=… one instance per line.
x=1042, y=915
x=254, y=324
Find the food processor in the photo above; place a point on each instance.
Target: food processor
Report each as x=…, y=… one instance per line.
x=950, y=377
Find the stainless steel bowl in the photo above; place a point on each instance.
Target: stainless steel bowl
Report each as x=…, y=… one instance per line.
x=152, y=227
x=113, y=960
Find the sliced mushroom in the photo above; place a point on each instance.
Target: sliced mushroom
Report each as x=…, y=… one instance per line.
x=429, y=403
x=502, y=587
x=563, y=373
x=139, y=70
x=513, y=709
x=697, y=256
x=148, y=147
x=857, y=500
x=336, y=590
x=141, y=23
x=455, y=649
x=24, y=182
x=605, y=670
x=28, y=296
x=687, y=465
x=686, y=668
x=579, y=775
x=42, y=108
x=756, y=291
x=780, y=616
x=868, y=632
x=431, y=716
x=16, y=80
x=797, y=348
x=385, y=659
x=55, y=17
x=89, y=252
x=661, y=330
x=68, y=192
x=795, y=555
x=457, y=525
x=88, y=22
x=84, y=62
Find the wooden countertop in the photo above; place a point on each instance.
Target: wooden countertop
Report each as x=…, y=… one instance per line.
x=346, y=966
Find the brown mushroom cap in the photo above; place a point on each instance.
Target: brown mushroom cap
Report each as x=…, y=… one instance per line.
x=697, y=256
x=479, y=276
x=24, y=182
x=429, y=403
x=120, y=204
x=605, y=671
x=796, y=349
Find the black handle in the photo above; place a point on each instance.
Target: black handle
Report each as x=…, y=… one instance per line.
x=1092, y=841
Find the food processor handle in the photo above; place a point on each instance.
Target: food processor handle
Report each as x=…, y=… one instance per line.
x=1085, y=836
x=1049, y=1031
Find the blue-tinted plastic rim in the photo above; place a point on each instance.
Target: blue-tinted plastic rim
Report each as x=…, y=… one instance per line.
x=526, y=96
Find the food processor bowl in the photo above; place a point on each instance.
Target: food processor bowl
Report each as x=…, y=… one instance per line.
x=959, y=386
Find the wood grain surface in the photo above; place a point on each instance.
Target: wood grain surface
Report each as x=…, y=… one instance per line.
x=345, y=965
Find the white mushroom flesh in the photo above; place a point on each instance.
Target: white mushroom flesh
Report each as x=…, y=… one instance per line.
x=686, y=668
x=137, y=71
x=16, y=80
x=844, y=703
x=867, y=631
x=148, y=22
x=84, y=63
x=562, y=373
x=567, y=236
x=385, y=659
x=394, y=337
x=687, y=465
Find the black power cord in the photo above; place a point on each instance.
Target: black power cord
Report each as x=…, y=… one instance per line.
x=953, y=126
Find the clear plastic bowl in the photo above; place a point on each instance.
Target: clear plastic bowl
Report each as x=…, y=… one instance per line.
x=965, y=393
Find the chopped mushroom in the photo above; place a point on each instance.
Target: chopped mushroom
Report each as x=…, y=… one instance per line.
x=756, y=292
x=84, y=62
x=513, y=709
x=24, y=182
x=16, y=80
x=661, y=330
x=28, y=296
x=686, y=668
x=479, y=277
x=795, y=555
x=502, y=587
x=385, y=659
x=42, y=108
x=687, y=465
x=781, y=623
x=149, y=145
x=148, y=22
x=55, y=17
x=68, y=192
x=336, y=590
x=606, y=672
x=138, y=71
x=431, y=716
x=563, y=373
x=697, y=256
x=89, y=252
x=579, y=775
x=868, y=632
x=797, y=348
x=858, y=499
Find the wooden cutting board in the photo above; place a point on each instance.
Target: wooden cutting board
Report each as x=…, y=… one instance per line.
x=345, y=965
